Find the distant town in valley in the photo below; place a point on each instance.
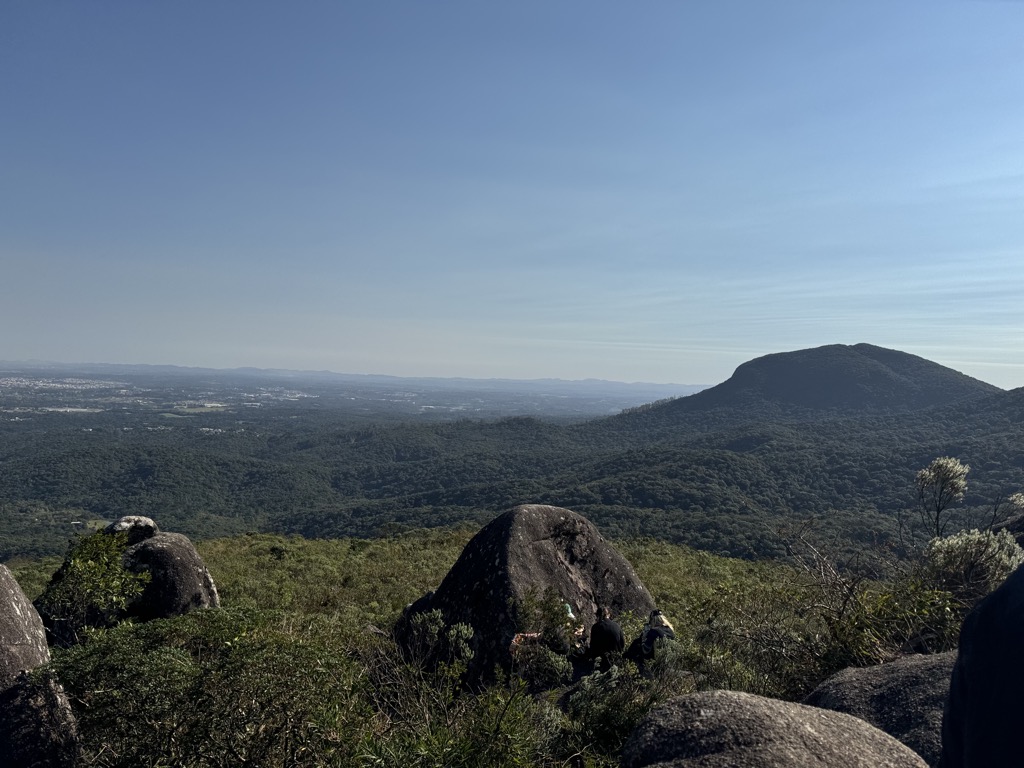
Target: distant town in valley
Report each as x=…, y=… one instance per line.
x=35, y=388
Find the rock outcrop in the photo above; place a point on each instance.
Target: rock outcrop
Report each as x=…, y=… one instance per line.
x=90, y=589
x=727, y=729
x=904, y=698
x=525, y=554
x=137, y=528
x=179, y=580
x=22, y=635
x=986, y=693
x=37, y=727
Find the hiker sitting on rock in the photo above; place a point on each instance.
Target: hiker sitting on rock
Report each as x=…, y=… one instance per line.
x=657, y=628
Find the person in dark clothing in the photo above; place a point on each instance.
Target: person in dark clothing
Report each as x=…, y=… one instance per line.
x=658, y=628
x=642, y=649
x=606, y=639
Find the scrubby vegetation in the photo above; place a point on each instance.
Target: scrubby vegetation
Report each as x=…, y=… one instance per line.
x=299, y=669
x=970, y=564
x=92, y=588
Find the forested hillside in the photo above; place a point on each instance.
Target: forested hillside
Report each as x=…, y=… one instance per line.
x=720, y=470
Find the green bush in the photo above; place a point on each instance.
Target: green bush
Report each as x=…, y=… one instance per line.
x=543, y=660
x=423, y=714
x=214, y=689
x=90, y=589
x=541, y=668
x=604, y=708
x=970, y=564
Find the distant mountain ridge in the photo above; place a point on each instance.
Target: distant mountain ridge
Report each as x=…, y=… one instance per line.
x=837, y=378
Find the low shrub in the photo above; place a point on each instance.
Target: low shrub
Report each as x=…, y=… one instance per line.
x=91, y=588
x=970, y=564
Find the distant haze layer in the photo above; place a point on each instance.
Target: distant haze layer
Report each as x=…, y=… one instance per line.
x=520, y=190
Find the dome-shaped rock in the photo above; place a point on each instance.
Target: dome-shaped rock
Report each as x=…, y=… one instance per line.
x=524, y=554
x=179, y=580
x=94, y=586
x=728, y=729
x=37, y=727
x=904, y=698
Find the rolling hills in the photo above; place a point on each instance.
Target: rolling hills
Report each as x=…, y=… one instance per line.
x=834, y=433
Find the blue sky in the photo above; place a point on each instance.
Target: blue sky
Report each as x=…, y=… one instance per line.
x=645, y=191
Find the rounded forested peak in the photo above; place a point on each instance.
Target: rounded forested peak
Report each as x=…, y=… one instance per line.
x=842, y=377
x=857, y=376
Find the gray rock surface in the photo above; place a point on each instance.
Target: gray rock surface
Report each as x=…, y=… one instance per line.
x=904, y=698
x=22, y=635
x=727, y=729
x=179, y=579
x=38, y=728
x=985, y=707
x=520, y=555
x=138, y=528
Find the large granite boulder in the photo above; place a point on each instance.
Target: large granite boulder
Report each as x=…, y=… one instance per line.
x=93, y=587
x=986, y=692
x=22, y=635
x=530, y=552
x=37, y=727
x=904, y=698
x=179, y=580
x=728, y=729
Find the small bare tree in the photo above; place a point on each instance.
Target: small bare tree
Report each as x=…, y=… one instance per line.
x=939, y=485
x=1001, y=510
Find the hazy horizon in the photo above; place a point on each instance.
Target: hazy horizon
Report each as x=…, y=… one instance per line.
x=372, y=374
x=648, y=192
x=32, y=362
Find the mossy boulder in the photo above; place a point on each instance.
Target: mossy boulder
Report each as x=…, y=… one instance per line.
x=530, y=555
